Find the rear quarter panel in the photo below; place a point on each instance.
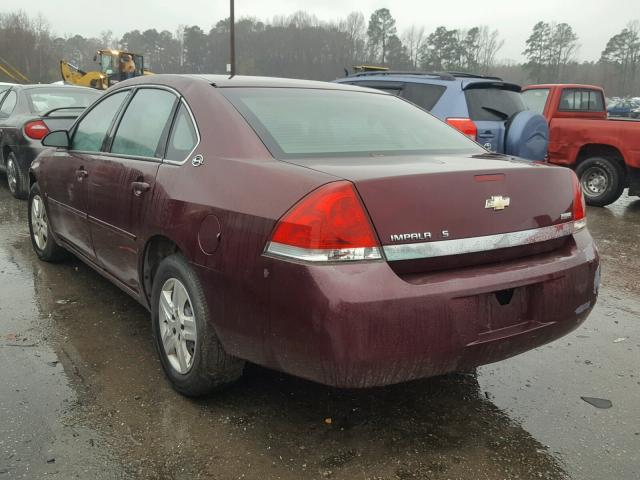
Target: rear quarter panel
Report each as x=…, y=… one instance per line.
x=246, y=191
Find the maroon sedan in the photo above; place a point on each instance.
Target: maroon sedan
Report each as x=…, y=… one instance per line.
x=332, y=232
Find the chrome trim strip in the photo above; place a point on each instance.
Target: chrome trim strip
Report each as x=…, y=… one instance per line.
x=461, y=246
x=195, y=126
x=289, y=252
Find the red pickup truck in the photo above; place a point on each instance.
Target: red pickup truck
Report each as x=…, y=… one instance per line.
x=604, y=152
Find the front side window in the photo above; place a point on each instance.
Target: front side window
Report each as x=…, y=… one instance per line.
x=304, y=122
x=93, y=128
x=183, y=137
x=536, y=99
x=573, y=99
x=9, y=104
x=144, y=123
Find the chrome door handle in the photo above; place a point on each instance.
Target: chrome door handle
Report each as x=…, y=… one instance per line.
x=139, y=188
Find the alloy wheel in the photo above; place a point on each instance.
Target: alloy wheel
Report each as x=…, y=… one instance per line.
x=39, y=225
x=178, y=331
x=12, y=175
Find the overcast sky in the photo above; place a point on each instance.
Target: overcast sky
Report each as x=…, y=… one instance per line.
x=595, y=21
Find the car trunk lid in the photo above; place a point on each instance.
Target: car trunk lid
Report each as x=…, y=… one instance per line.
x=434, y=201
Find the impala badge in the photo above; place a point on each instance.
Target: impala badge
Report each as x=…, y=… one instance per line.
x=497, y=203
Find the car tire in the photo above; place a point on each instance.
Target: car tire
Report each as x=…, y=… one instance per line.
x=16, y=178
x=192, y=357
x=602, y=180
x=42, y=241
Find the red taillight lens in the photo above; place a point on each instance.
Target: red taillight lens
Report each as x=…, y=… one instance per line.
x=36, y=130
x=579, y=208
x=329, y=224
x=465, y=125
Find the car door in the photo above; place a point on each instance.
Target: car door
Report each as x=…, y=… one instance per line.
x=67, y=173
x=122, y=182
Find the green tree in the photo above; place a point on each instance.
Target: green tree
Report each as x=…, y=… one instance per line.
x=623, y=54
x=550, y=48
x=441, y=51
x=538, y=52
x=564, y=43
x=381, y=26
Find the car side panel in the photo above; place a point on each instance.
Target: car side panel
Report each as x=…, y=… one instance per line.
x=66, y=195
x=116, y=214
x=569, y=135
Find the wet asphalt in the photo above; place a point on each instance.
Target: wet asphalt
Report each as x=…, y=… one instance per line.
x=82, y=394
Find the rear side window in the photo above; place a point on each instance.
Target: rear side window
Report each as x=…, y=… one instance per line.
x=183, y=136
x=536, y=99
x=44, y=100
x=577, y=100
x=9, y=103
x=92, y=129
x=144, y=123
x=493, y=104
x=423, y=95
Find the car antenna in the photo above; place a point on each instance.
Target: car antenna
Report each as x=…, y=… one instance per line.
x=232, y=40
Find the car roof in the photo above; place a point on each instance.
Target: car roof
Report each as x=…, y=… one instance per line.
x=433, y=79
x=35, y=86
x=225, y=81
x=562, y=85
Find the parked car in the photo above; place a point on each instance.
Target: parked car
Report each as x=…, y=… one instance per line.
x=621, y=107
x=603, y=151
x=5, y=86
x=486, y=109
x=27, y=114
x=335, y=233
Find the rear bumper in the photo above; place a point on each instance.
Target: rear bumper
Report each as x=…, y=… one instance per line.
x=361, y=325
x=26, y=154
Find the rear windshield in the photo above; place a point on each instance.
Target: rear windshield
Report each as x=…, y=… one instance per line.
x=536, y=99
x=44, y=100
x=493, y=103
x=321, y=123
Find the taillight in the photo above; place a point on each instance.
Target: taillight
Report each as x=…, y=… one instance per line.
x=465, y=125
x=328, y=225
x=36, y=130
x=579, y=208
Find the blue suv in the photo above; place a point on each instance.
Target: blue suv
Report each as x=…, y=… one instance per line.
x=487, y=109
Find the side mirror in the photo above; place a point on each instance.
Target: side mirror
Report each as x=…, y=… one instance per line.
x=57, y=138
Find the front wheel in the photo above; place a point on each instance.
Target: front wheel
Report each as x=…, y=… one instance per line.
x=40, y=229
x=191, y=354
x=602, y=180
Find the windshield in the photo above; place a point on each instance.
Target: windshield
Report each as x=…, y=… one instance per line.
x=536, y=99
x=296, y=122
x=493, y=104
x=43, y=100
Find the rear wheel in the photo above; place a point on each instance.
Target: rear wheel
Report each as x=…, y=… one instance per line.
x=602, y=180
x=40, y=229
x=191, y=354
x=15, y=177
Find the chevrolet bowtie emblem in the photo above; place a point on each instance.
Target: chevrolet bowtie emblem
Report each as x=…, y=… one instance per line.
x=497, y=203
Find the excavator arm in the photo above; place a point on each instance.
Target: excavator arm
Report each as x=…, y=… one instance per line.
x=12, y=72
x=74, y=76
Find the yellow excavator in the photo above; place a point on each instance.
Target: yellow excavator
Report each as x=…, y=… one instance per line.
x=115, y=66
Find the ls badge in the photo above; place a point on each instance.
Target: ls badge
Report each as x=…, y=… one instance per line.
x=497, y=202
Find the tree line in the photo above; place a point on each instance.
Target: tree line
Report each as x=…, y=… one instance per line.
x=302, y=46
